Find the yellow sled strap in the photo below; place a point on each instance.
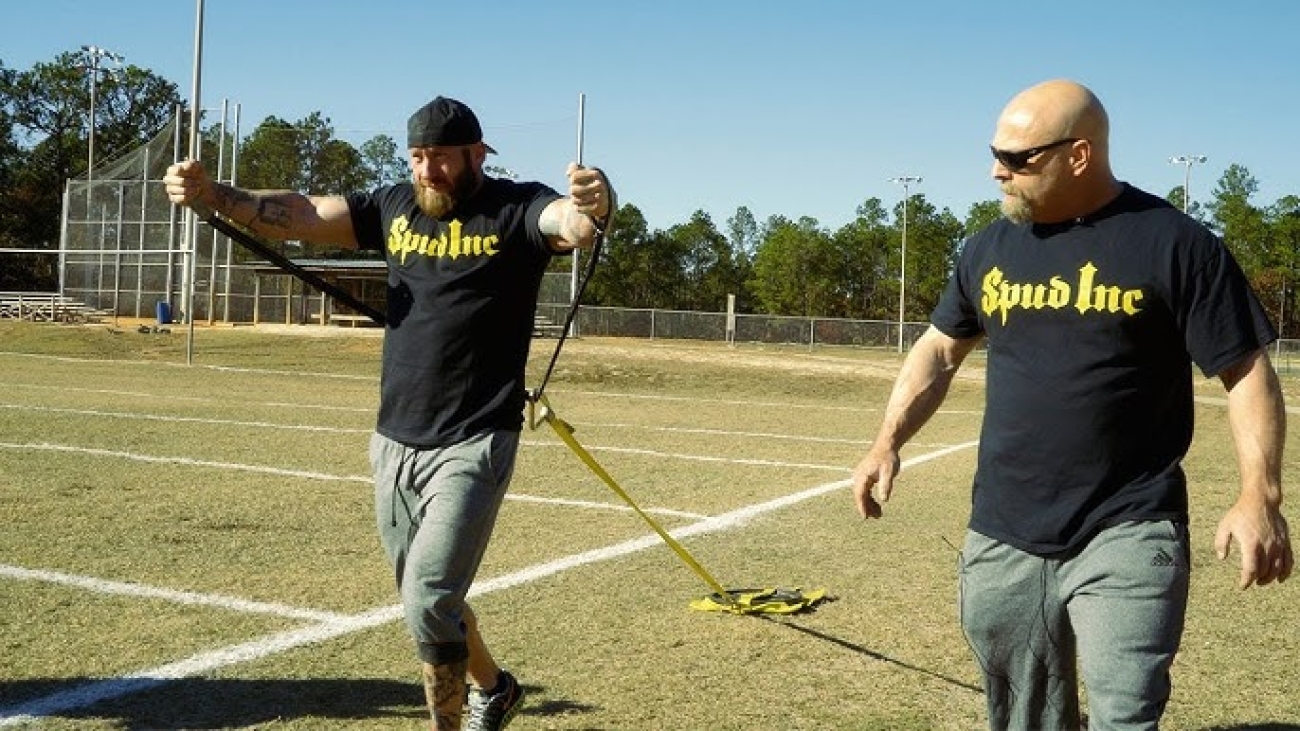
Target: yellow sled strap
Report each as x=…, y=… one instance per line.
x=746, y=601
x=565, y=432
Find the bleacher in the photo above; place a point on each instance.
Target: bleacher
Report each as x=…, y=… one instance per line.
x=47, y=307
x=545, y=327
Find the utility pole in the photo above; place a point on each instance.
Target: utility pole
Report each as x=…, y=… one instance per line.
x=906, y=181
x=94, y=58
x=1188, y=161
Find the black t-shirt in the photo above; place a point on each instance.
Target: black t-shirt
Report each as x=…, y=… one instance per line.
x=1092, y=328
x=462, y=294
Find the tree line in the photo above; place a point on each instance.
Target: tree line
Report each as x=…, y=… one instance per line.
x=778, y=266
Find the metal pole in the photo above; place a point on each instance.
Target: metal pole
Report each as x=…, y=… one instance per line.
x=233, y=180
x=191, y=219
x=90, y=159
x=94, y=56
x=169, y=283
x=117, y=254
x=573, y=275
x=906, y=181
x=902, y=275
x=63, y=237
x=216, y=239
x=1281, y=321
x=144, y=224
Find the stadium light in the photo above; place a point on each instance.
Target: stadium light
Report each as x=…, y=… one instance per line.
x=1188, y=161
x=92, y=59
x=500, y=172
x=906, y=181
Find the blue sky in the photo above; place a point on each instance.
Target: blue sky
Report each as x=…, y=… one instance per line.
x=798, y=109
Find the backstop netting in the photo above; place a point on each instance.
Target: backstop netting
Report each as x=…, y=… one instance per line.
x=123, y=249
x=120, y=248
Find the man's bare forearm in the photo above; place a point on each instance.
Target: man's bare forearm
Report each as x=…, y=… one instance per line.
x=1258, y=419
x=917, y=394
x=277, y=214
x=921, y=386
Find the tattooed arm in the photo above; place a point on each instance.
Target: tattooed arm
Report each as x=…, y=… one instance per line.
x=277, y=214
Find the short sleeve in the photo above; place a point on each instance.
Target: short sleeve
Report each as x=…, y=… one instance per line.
x=1222, y=318
x=367, y=223
x=955, y=314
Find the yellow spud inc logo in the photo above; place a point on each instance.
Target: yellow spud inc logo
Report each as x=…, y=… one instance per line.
x=1084, y=293
x=450, y=243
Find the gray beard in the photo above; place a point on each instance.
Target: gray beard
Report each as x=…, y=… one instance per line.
x=1017, y=211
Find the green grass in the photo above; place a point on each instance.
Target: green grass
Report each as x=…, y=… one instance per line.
x=244, y=475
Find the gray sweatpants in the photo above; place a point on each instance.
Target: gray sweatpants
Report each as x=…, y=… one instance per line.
x=435, y=510
x=1116, y=606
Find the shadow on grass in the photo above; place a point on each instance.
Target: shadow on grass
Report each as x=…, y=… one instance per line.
x=188, y=703
x=873, y=654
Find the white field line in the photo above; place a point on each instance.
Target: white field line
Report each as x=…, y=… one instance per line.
x=745, y=402
x=154, y=364
x=693, y=400
x=133, y=589
x=93, y=692
x=323, y=476
x=564, y=502
x=187, y=461
x=1221, y=401
x=601, y=394
x=186, y=419
x=720, y=432
x=154, y=396
x=348, y=430
x=700, y=457
x=97, y=691
x=371, y=410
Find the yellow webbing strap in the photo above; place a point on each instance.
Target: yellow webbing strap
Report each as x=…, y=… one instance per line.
x=565, y=432
x=746, y=601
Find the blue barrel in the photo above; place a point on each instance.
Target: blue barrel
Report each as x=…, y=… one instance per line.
x=164, y=313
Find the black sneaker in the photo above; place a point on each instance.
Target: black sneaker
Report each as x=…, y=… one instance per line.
x=494, y=712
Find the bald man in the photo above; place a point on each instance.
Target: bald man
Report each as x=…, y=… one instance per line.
x=1095, y=300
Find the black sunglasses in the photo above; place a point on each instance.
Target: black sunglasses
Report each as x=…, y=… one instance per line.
x=1017, y=161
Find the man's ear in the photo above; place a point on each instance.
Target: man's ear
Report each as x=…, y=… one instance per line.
x=1080, y=157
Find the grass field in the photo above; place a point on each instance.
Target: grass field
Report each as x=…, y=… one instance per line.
x=191, y=546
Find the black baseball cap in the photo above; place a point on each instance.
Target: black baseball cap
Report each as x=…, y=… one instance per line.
x=444, y=122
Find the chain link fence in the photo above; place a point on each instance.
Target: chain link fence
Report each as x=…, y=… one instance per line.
x=123, y=252
x=691, y=325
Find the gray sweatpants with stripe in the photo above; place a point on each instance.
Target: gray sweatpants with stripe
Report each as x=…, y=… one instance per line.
x=1114, y=607
x=435, y=510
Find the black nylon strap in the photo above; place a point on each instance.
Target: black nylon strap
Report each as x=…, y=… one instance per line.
x=282, y=262
x=602, y=228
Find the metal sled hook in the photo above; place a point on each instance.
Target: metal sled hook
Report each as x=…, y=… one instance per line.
x=539, y=409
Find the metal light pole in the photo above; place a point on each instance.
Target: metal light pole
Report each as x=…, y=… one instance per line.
x=1188, y=161
x=94, y=56
x=905, y=181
